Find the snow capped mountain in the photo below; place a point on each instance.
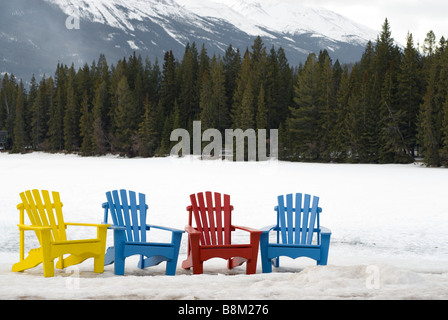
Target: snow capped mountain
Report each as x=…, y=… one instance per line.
x=34, y=35
x=254, y=17
x=290, y=17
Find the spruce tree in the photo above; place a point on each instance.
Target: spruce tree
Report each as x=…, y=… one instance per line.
x=56, y=112
x=99, y=115
x=305, y=115
x=217, y=76
x=231, y=65
x=244, y=78
x=125, y=117
x=19, y=123
x=410, y=86
x=148, y=130
x=262, y=110
x=188, y=86
x=168, y=89
x=86, y=126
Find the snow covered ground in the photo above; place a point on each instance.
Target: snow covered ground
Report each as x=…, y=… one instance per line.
x=389, y=227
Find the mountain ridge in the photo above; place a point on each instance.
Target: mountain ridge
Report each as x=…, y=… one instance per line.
x=34, y=36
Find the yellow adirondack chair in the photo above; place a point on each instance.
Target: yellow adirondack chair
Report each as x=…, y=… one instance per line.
x=47, y=221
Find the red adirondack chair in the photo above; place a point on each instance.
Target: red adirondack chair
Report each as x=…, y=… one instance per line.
x=211, y=238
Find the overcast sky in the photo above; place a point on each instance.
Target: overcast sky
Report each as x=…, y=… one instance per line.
x=415, y=16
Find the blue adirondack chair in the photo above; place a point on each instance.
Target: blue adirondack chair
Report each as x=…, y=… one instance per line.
x=129, y=225
x=299, y=233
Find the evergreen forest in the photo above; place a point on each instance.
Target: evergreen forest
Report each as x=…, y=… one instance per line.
x=389, y=107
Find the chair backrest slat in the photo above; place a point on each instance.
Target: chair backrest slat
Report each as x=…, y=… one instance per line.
x=312, y=220
x=123, y=208
x=51, y=218
x=290, y=218
x=299, y=219
x=306, y=211
x=282, y=219
x=143, y=207
x=134, y=217
x=212, y=217
x=218, y=210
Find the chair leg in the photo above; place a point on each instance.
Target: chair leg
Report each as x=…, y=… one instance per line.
x=47, y=261
x=266, y=265
x=98, y=264
x=119, y=267
x=171, y=265
x=119, y=236
x=193, y=259
x=33, y=259
x=251, y=267
x=198, y=268
x=324, y=248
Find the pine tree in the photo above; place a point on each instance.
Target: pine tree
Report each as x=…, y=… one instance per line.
x=262, y=110
x=231, y=65
x=40, y=110
x=273, y=90
x=342, y=141
x=286, y=89
x=327, y=107
x=208, y=108
x=247, y=117
x=71, y=115
x=56, y=111
x=125, y=117
x=168, y=89
x=305, y=115
x=86, y=126
x=19, y=123
x=188, y=86
x=410, y=93
x=99, y=114
x=443, y=152
x=148, y=130
x=428, y=130
x=244, y=79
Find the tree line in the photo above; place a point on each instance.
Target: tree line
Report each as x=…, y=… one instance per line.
x=390, y=107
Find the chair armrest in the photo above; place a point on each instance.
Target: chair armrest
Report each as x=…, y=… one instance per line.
x=165, y=228
x=251, y=230
x=114, y=227
x=268, y=229
x=325, y=231
x=34, y=228
x=87, y=224
x=192, y=231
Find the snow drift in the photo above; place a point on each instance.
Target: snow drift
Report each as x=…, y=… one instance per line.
x=388, y=226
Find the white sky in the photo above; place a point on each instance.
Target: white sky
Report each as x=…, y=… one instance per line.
x=416, y=16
